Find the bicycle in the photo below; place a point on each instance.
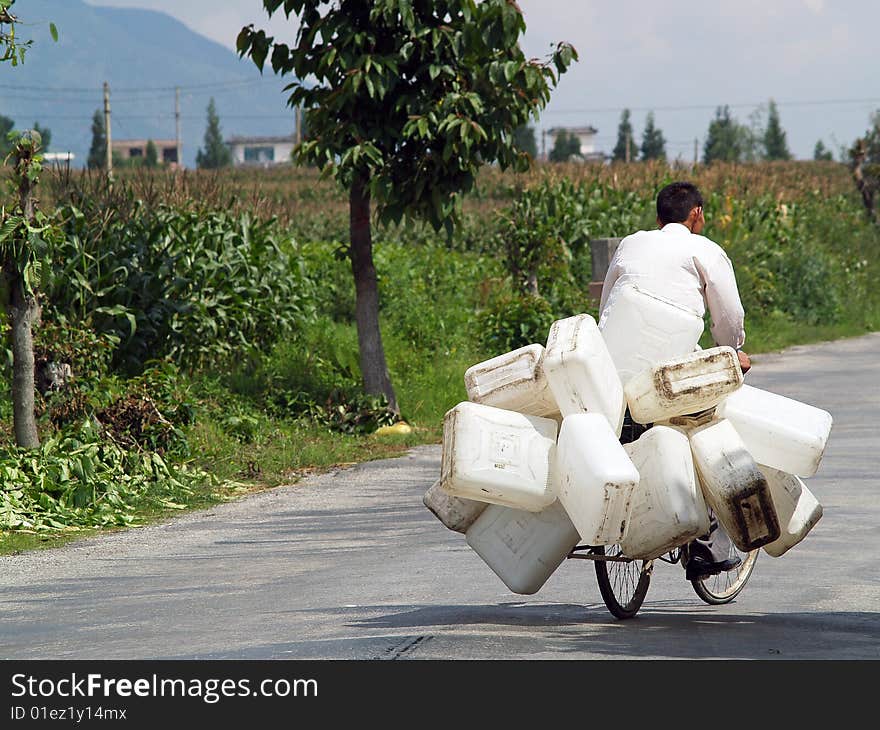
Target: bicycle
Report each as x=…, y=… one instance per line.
x=623, y=583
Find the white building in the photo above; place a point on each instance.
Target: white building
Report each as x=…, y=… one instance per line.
x=263, y=151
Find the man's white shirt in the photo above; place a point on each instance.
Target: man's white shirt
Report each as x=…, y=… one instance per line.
x=685, y=268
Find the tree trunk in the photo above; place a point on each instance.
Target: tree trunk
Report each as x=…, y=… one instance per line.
x=23, y=313
x=532, y=283
x=374, y=369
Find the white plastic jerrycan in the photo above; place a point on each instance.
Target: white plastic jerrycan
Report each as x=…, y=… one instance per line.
x=733, y=486
x=686, y=384
x=780, y=432
x=523, y=548
x=454, y=512
x=594, y=478
x=641, y=329
x=796, y=507
x=497, y=456
x=668, y=506
x=580, y=371
x=514, y=381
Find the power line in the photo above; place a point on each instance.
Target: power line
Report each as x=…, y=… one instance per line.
x=699, y=107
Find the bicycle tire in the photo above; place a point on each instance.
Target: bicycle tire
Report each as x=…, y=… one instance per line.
x=724, y=587
x=622, y=585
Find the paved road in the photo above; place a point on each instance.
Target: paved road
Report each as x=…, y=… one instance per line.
x=351, y=565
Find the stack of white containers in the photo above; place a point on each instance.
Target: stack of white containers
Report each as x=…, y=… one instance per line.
x=532, y=463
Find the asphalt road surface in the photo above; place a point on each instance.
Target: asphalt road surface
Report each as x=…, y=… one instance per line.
x=350, y=565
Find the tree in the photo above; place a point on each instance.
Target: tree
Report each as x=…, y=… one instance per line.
x=775, y=145
x=524, y=139
x=6, y=126
x=565, y=146
x=726, y=139
x=623, y=150
x=98, y=150
x=215, y=153
x=25, y=233
x=404, y=102
x=821, y=153
x=653, y=143
x=151, y=158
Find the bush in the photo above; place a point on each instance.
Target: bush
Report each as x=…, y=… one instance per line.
x=199, y=288
x=514, y=320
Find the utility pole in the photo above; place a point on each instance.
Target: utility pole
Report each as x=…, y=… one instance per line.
x=107, y=133
x=298, y=136
x=696, y=153
x=177, y=126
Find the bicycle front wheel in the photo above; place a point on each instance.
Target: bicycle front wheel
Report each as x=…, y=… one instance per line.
x=724, y=587
x=623, y=585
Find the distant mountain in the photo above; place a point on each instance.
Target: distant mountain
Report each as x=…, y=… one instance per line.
x=143, y=55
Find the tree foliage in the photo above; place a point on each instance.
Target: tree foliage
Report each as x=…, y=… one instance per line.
x=215, y=153
x=12, y=48
x=566, y=145
x=653, y=143
x=6, y=127
x=624, y=138
x=727, y=140
x=98, y=149
x=413, y=97
x=151, y=158
x=820, y=152
x=774, y=141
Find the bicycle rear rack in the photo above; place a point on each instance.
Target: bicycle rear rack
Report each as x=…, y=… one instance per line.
x=578, y=553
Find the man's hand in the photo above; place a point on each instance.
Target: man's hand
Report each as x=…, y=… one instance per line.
x=744, y=362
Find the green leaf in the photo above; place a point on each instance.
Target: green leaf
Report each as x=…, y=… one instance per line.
x=53, y=31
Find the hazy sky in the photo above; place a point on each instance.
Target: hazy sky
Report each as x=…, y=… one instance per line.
x=679, y=58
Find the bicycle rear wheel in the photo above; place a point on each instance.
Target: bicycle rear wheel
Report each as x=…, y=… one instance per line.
x=724, y=587
x=623, y=585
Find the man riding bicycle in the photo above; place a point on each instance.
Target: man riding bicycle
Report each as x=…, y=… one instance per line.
x=676, y=263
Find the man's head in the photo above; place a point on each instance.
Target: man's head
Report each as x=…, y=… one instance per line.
x=681, y=202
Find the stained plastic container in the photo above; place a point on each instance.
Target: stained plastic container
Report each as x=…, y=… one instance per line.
x=497, y=456
x=523, y=548
x=641, y=329
x=594, y=478
x=580, y=371
x=683, y=385
x=796, y=506
x=668, y=506
x=733, y=485
x=454, y=512
x=779, y=432
x=514, y=381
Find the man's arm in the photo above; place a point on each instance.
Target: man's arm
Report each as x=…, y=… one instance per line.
x=723, y=301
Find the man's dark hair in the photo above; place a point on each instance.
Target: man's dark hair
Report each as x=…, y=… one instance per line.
x=676, y=201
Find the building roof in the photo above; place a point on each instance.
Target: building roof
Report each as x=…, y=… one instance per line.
x=143, y=142
x=260, y=140
x=573, y=130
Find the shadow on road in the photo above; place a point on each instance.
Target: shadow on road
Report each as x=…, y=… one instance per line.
x=669, y=629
